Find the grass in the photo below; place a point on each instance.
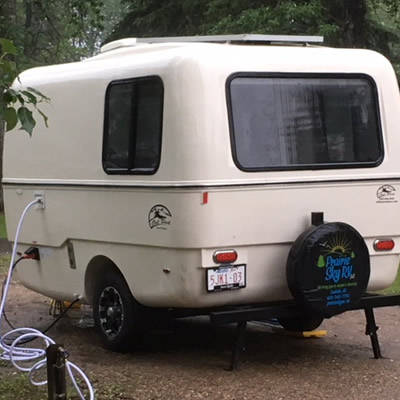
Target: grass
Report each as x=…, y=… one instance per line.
x=395, y=288
x=4, y=265
x=17, y=386
x=3, y=229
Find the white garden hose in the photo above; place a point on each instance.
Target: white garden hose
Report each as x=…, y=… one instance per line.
x=17, y=354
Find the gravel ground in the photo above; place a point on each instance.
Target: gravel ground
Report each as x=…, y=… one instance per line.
x=190, y=360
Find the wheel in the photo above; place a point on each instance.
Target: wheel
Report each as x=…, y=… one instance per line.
x=303, y=323
x=328, y=269
x=116, y=313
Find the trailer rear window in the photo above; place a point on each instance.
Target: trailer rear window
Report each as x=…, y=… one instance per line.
x=133, y=125
x=304, y=122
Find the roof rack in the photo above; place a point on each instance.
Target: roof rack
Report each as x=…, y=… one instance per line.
x=242, y=38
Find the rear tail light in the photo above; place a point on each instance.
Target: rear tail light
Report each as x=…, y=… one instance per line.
x=225, y=256
x=384, y=244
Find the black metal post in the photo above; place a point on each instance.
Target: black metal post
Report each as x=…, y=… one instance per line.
x=56, y=382
x=371, y=330
x=317, y=218
x=239, y=345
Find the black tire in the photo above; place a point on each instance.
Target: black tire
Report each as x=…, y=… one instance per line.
x=116, y=313
x=328, y=269
x=303, y=323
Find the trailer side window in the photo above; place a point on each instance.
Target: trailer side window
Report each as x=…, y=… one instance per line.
x=133, y=125
x=304, y=122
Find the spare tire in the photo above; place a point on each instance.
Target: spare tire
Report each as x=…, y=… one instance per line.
x=328, y=269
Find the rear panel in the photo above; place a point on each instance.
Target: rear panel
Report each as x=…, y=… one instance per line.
x=252, y=143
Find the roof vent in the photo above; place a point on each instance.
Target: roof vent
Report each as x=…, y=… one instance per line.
x=117, y=44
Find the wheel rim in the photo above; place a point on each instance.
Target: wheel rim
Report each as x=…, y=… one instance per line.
x=111, y=311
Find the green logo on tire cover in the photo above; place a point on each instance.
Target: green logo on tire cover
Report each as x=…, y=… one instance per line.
x=337, y=259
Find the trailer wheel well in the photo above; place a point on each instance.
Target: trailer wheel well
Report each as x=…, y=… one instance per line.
x=97, y=266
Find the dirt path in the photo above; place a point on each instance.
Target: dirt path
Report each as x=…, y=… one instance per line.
x=189, y=362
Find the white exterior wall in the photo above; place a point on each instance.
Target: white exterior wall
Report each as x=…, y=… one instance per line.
x=195, y=113
x=260, y=222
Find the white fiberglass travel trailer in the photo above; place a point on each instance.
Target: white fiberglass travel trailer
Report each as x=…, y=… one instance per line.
x=182, y=173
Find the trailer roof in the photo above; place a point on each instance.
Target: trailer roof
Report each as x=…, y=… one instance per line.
x=237, y=39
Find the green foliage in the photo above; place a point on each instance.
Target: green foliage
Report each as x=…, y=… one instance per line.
x=289, y=17
x=4, y=265
x=3, y=229
x=192, y=17
x=373, y=24
x=395, y=287
x=18, y=387
x=14, y=102
x=52, y=31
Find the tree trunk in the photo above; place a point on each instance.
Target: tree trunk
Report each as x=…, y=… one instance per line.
x=1, y=164
x=357, y=10
x=8, y=16
x=28, y=50
x=8, y=20
x=351, y=17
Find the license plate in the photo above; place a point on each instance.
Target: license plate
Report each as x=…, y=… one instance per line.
x=226, y=278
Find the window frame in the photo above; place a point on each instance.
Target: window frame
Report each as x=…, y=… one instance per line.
x=302, y=167
x=132, y=127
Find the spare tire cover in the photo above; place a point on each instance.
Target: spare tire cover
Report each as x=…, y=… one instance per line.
x=328, y=268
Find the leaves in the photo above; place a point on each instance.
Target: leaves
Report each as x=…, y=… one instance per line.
x=45, y=118
x=10, y=118
x=373, y=24
x=7, y=47
x=30, y=96
x=39, y=94
x=13, y=101
x=54, y=31
x=26, y=119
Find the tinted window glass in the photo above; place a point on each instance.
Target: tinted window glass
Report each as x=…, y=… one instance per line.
x=118, y=128
x=149, y=106
x=301, y=122
x=132, y=138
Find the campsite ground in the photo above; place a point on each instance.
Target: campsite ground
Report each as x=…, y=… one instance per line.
x=189, y=360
